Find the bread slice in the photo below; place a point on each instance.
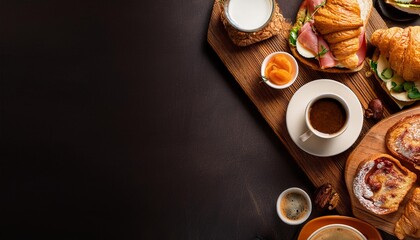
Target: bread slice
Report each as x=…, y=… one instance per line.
x=365, y=10
x=403, y=140
x=312, y=63
x=381, y=183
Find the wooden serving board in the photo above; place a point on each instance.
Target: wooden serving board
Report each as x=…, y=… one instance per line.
x=244, y=64
x=372, y=143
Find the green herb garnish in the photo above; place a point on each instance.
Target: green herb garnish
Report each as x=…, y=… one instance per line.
x=293, y=36
x=406, y=86
x=373, y=66
x=324, y=50
x=320, y=5
x=317, y=7
x=397, y=87
x=414, y=93
x=387, y=73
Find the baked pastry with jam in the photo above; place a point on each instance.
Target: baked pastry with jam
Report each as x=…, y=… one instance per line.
x=381, y=183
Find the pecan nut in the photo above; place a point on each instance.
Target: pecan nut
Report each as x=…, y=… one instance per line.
x=326, y=197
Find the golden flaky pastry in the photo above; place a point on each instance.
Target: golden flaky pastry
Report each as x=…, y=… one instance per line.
x=409, y=222
x=340, y=21
x=338, y=15
x=403, y=140
x=402, y=48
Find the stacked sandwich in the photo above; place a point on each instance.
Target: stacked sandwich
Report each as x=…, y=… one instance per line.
x=330, y=35
x=396, y=61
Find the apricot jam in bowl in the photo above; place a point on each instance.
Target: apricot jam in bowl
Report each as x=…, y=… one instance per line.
x=279, y=70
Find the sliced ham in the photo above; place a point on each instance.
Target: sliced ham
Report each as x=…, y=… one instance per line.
x=308, y=38
x=305, y=27
x=326, y=60
x=313, y=43
x=361, y=53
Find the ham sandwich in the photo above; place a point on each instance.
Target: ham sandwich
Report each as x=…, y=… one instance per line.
x=329, y=35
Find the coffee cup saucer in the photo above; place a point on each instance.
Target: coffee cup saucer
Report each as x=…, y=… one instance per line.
x=295, y=119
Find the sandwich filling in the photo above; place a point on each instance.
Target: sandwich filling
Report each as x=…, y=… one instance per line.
x=402, y=90
x=397, y=61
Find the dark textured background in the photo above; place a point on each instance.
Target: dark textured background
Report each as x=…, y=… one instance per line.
x=118, y=121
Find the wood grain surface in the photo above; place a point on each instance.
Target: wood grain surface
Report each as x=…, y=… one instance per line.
x=374, y=142
x=244, y=64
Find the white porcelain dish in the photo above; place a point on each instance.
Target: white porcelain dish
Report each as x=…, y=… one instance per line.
x=295, y=118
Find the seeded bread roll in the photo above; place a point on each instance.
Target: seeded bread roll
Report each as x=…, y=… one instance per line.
x=381, y=183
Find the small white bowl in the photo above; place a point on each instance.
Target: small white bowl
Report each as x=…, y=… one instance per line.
x=337, y=231
x=294, y=206
x=295, y=71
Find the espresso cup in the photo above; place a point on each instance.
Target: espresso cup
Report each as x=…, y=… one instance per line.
x=326, y=116
x=294, y=206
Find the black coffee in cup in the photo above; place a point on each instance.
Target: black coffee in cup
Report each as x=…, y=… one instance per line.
x=327, y=115
x=294, y=206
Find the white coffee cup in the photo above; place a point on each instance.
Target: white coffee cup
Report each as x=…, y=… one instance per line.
x=326, y=116
x=294, y=206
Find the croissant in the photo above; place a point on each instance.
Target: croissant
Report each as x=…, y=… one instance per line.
x=338, y=15
x=340, y=36
x=409, y=222
x=402, y=49
x=340, y=23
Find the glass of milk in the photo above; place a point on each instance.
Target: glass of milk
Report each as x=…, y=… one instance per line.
x=249, y=15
